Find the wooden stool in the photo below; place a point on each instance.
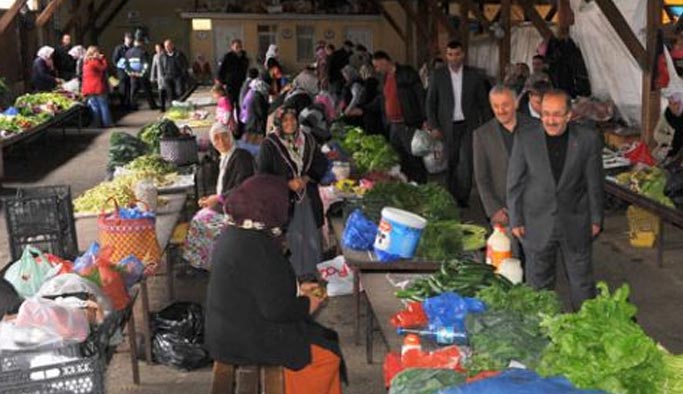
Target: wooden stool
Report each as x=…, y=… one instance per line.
x=247, y=379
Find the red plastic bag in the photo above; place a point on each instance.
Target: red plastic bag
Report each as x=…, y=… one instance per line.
x=412, y=316
x=392, y=366
x=113, y=284
x=67, y=266
x=483, y=375
x=444, y=358
x=640, y=153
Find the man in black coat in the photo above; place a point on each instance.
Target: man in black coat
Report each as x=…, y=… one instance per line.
x=64, y=63
x=336, y=62
x=118, y=59
x=555, y=197
x=138, y=67
x=457, y=104
x=174, y=69
x=232, y=70
x=402, y=100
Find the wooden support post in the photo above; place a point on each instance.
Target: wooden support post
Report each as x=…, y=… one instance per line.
x=504, y=43
x=415, y=18
x=442, y=18
x=472, y=7
x=90, y=26
x=410, y=42
x=465, y=27
x=651, y=95
x=391, y=20
x=10, y=14
x=616, y=19
x=47, y=13
x=539, y=23
x=110, y=17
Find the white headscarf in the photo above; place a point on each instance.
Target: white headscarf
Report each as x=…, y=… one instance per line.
x=45, y=52
x=675, y=86
x=258, y=85
x=272, y=53
x=216, y=129
x=77, y=52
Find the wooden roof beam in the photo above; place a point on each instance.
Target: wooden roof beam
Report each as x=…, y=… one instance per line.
x=443, y=19
x=624, y=31
x=532, y=14
x=551, y=13
x=10, y=14
x=111, y=16
x=98, y=12
x=413, y=16
x=470, y=5
x=47, y=12
x=391, y=20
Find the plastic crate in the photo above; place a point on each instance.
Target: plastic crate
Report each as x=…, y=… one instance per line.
x=41, y=217
x=644, y=227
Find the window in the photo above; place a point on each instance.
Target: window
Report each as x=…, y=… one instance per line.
x=201, y=24
x=305, y=45
x=267, y=34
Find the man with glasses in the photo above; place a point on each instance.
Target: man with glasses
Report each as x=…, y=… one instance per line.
x=555, y=197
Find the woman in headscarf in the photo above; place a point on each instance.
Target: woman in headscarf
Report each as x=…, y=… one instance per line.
x=256, y=312
x=295, y=156
x=78, y=54
x=44, y=76
x=273, y=74
x=668, y=134
x=352, y=97
x=234, y=167
x=256, y=104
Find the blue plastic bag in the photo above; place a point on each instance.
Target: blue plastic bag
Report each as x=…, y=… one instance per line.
x=518, y=381
x=450, y=310
x=11, y=111
x=135, y=213
x=84, y=263
x=132, y=270
x=359, y=232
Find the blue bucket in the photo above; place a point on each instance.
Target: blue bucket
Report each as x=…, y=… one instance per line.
x=398, y=234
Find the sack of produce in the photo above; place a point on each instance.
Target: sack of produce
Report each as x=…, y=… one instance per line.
x=178, y=337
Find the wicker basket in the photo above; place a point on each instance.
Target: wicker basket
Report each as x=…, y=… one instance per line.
x=643, y=227
x=180, y=151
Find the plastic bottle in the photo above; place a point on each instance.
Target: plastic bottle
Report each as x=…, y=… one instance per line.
x=442, y=335
x=498, y=247
x=411, y=351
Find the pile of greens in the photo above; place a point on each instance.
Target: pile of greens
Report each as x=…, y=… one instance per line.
x=430, y=201
x=602, y=347
x=152, y=133
x=463, y=276
x=369, y=152
x=521, y=299
x=648, y=181
x=124, y=148
x=442, y=240
x=152, y=163
x=498, y=337
x=28, y=102
x=425, y=381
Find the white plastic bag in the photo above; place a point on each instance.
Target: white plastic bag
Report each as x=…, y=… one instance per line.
x=72, y=283
x=70, y=324
x=338, y=275
x=422, y=143
x=437, y=160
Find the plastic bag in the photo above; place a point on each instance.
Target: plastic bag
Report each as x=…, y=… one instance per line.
x=85, y=265
x=338, y=275
x=448, y=357
x=66, y=266
x=132, y=270
x=450, y=310
x=72, y=283
x=422, y=143
x=412, y=316
x=70, y=324
x=518, y=381
x=359, y=232
x=179, y=336
x=9, y=299
x=29, y=272
x=111, y=280
x=436, y=161
x=640, y=153
x=425, y=381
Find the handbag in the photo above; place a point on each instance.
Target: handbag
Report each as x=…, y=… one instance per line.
x=135, y=237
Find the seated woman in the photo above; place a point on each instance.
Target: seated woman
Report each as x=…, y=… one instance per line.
x=668, y=134
x=235, y=166
x=255, y=311
x=295, y=156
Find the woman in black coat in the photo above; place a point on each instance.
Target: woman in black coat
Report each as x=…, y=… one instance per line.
x=43, y=74
x=295, y=156
x=254, y=314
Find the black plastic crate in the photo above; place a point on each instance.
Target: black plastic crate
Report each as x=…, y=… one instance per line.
x=81, y=376
x=41, y=217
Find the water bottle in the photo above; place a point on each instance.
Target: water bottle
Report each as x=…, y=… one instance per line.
x=442, y=335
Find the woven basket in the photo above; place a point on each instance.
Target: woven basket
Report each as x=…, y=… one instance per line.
x=180, y=151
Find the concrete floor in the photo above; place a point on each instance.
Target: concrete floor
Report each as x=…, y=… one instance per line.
x=80, y=159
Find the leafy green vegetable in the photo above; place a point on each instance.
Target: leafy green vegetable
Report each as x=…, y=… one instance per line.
x=369, y=152
x=29, y=101
x=425, y=381
x=522, y=299
x=152, y=163
x=473, y=237
x=430, y=201
x=498, y=337
x=673, y=371
x=440, y=241
x=124, y=148
x=152, y=133
x=601, y=347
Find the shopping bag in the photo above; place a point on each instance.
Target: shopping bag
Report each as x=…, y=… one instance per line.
x=640, y=153
x=129, y=236
x=30, y=272
x=422, y=143
x=112, y=281
x=338, y=275
x=436, y=161
x=359, y=232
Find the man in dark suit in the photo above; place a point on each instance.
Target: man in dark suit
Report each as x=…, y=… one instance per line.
x=402, y=103
x=555, y=197
x=456, y=105
x=493, y=142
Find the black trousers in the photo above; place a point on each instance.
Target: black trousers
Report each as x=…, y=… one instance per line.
x=172, y=90
x=124, y=87
x=541, y=266
x=400, y=138
x=460, y=164
x=135, y=84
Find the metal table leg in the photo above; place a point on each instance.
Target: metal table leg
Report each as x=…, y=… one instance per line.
x=660, y=246
x=368, y=333
x=356, y=304
x=146, y=330
x=133, y=343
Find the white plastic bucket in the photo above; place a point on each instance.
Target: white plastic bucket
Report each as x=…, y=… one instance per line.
x=399, y=232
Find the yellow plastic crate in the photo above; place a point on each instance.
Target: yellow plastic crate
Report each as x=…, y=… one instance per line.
x=643, y=227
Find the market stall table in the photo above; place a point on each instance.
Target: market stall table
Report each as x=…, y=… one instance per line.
x=382, y=304
x=670, y=215
x=88, y=232
x=360, y=262
x=56, y=121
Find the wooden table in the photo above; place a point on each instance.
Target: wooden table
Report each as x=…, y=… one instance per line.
x=382, y=304
x=366, y=262
x=87, y=231
x=56, y=121
x=670, y=215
